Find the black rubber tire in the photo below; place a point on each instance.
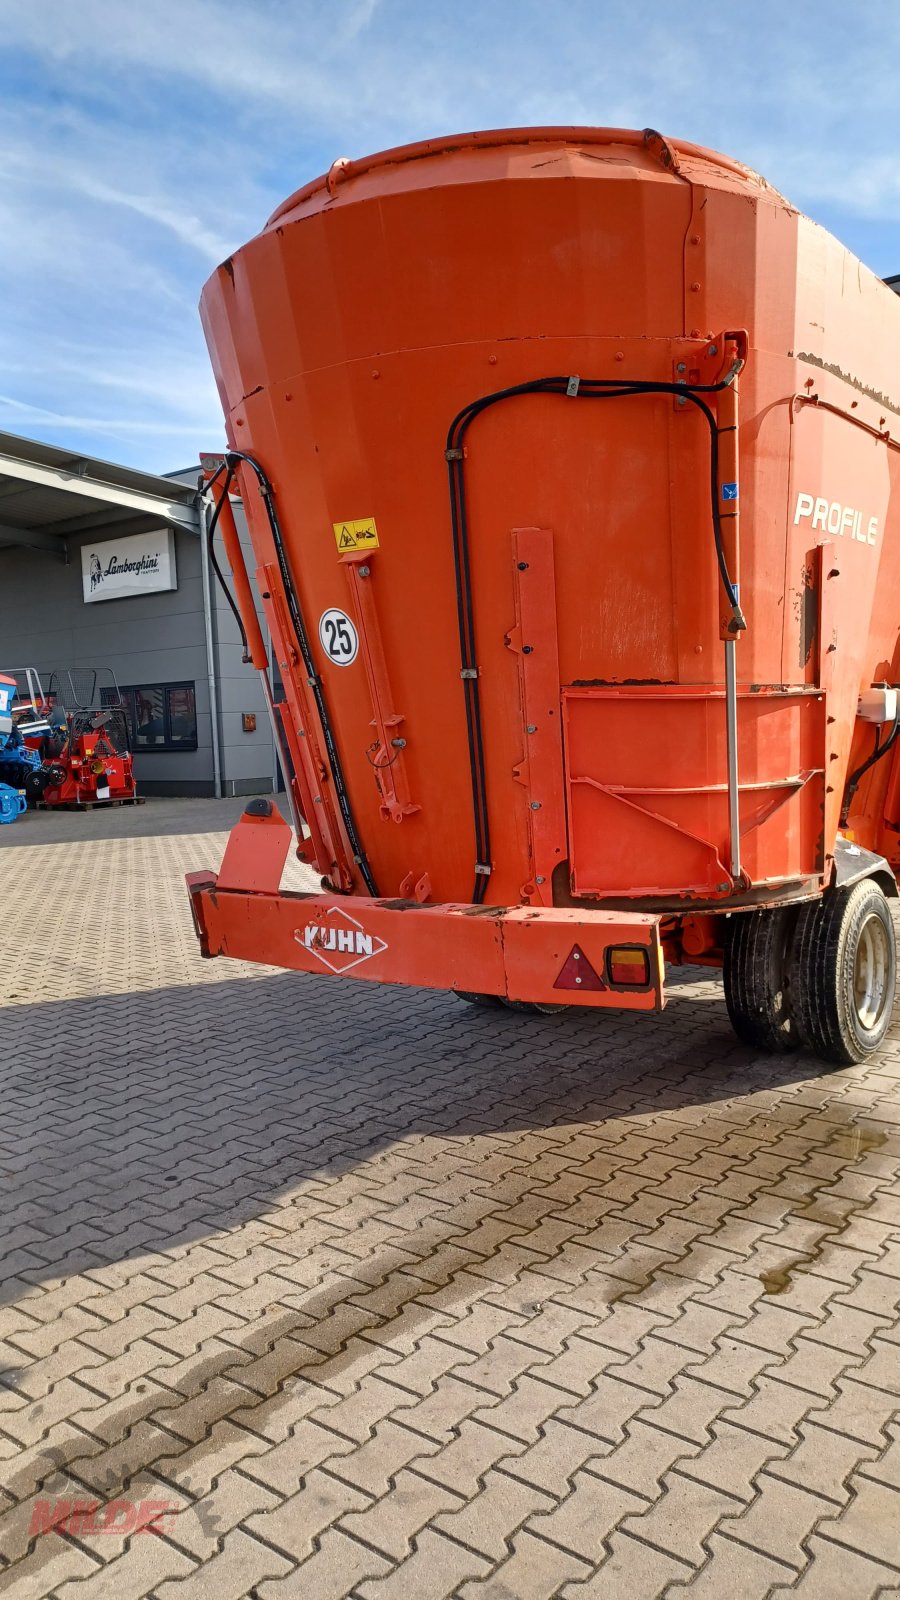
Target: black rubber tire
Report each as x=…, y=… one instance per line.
x=489, y=1001
x=824, y=964
x=756, y=974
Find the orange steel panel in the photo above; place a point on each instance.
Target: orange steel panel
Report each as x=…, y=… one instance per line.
x=648, y=804
x=517, y=953
x=256, y=851
x=599, y=253
x=533, y=640
x=386, y=754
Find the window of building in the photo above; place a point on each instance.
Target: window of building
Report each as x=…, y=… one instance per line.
x=161, y=716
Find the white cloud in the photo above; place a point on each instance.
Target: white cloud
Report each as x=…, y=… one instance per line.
x=141, y=143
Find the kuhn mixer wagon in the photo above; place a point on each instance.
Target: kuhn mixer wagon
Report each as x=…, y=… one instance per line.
x=568, y=458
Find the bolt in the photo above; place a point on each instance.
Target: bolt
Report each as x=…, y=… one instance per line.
x=532, y=727
x=527, y=649
x=538, y=880
x=492, y=361
x=713, y=350
x=522, y=566
x=398, y=744
x=375, y=373
x=535, y=805
x=723, y=887
x=318, y=800
x=577, y=980
x=364, y=572
x=301, y=733
x=681, y=367
x=695, y=287
x=681, y=401
x=576, y=955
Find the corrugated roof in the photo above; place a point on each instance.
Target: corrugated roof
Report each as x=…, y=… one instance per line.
x=48, y=493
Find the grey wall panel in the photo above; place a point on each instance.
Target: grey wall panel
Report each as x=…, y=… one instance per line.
x=156, y=638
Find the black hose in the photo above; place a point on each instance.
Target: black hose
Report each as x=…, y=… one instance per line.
x=570, y=388
x=210, y=534
x=232, y=457
x=881, y=750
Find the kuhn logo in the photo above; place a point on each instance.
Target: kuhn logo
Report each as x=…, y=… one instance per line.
x=339, y=941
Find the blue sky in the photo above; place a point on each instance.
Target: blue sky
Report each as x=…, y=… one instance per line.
x=142, y=140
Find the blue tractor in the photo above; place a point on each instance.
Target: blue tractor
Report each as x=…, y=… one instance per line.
x=24, y=772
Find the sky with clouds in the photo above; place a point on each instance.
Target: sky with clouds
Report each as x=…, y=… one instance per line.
x=143, y=140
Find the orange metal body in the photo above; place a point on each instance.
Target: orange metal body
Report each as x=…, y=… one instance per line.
x=380, y=301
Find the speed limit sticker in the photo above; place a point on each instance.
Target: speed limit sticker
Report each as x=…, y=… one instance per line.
x=338, y=636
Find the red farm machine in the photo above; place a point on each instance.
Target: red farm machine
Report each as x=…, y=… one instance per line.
x=570, y=458
x=69, y=742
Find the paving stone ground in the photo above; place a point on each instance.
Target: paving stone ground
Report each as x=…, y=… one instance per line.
x=380, y=1296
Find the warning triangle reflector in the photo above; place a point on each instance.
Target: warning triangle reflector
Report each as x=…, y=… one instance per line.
x=577, y=972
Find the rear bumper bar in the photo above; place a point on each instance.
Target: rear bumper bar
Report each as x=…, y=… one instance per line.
x=552, y=956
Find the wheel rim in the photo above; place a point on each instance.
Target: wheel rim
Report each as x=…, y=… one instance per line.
x=871, y=973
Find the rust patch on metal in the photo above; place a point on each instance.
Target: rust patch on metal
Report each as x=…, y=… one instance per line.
x=847, y=377
x=809, y=614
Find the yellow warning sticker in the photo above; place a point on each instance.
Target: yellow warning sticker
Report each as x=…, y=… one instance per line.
x=359, y=535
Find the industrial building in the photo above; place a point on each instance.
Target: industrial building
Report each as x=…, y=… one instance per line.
x=105, y=566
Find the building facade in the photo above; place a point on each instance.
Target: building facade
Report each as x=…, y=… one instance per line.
x=88, y=580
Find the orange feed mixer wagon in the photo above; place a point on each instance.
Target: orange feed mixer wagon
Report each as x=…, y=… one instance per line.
x=568, y=457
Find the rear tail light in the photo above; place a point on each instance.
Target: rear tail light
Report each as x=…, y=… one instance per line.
x=628, y=965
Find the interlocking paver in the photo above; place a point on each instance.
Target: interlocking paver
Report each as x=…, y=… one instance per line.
x=50, y=1564
x=534, y=1570
x=632, y=1568
x=779, y=1520
x=682, y=1518
x=732, y=1569
x=584, y=1521
x=336, y=1569
x=398, y=1298
x=393, y=1522
x=835, y=1573
x=869, y=1522
x=140, y=1569
x=240, y=1565
x=487, y=1522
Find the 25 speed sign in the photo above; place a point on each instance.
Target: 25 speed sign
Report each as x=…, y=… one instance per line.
x=338, y=636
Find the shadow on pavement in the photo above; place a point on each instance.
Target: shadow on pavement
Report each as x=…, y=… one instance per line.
x=134, y=1123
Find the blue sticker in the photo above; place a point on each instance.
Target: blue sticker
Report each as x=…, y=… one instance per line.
x=729, y=491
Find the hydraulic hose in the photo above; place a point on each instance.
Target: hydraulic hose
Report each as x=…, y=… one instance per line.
x=232, y=458
x=569, y=388
x=210, y=546
x=881, y=750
